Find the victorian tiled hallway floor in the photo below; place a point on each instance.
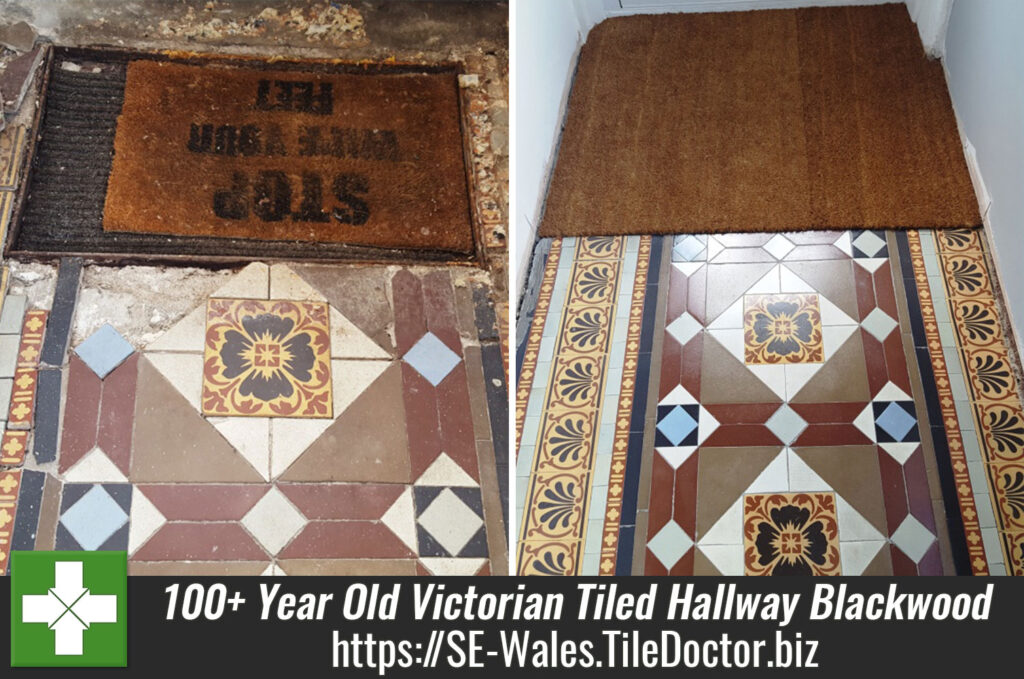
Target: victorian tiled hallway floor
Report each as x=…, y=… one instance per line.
x=768, y=404
x=301, y=419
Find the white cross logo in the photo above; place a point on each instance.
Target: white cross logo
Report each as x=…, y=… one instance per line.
x=68, y=608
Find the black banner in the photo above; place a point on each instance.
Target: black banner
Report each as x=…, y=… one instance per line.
x=443, y=626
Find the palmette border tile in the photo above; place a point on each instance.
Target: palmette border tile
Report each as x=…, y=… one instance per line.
x=994, y=402
x=620, y=445
x=950, y=421
x=562, y=469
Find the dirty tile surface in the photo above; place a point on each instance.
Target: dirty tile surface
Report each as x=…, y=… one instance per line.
x=266, y=431
x=810, y=403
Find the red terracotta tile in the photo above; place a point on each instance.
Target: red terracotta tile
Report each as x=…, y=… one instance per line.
x=652, y=566
x=812, y=252
x=678, y=291
x=663, y=483
x=865, y=284
x=203, y=502
x=456, y=421
x=200, y=542
x=345, y=539
x=832, y=435
x=685, y=510
x=741, y=435
x=357, y=501
x=23, y=399
x=885, y=295
x=421, y=420
x=931, y=562
x=901, y=563
x=828, y=413
x=874, y=355
x=439, y=308
x=81, y=413
x=117, y=410
x=684, y=566
x=893, y=491
x=13, y=447
x=896, y=361
x=918, y=495
x=743, y=413
x=671, y=361
x=743, y=255
x=689, y=369
x=32, y=331
x=410, y=323
x=697, y=294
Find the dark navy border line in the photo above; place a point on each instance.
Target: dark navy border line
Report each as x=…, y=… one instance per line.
x=947, y=482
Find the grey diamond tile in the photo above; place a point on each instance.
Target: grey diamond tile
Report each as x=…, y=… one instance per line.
x=104, y=350
x=787, y=424
x=431, y=358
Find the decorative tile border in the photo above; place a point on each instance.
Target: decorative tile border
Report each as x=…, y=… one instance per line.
x=13, y=149
x=554, y=525
x=10, y=482
x=945, y=401
x=994, y=400
x=13, y=448
x=623, y=421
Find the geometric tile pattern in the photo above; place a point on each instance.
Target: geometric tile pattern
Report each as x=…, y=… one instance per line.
x=989, y=402
x=141, y=468
x=104, y=350
x=790, y=534
x=786, y=372
x=267, y=358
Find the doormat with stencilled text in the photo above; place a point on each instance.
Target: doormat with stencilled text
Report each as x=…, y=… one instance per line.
x=227, y=158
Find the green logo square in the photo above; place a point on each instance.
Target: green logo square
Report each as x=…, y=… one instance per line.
x=69, y=609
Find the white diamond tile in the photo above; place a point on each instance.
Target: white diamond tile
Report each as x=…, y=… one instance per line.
x=401, y=519
x=879, y=324
x=684, y=328
x=913, y=538
x=675, y=456
x=678, y=396
x=779, y=246
x=450, y=521
x=95, y=467
x=273, y=521
x=146, y=520
x=728, y=559
x=869, y=243
x=688, y=268
x=444, y=471
x=843, y=243
x=670, y=544
x=870, y=264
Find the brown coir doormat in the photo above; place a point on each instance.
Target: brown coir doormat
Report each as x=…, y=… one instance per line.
x=193, y=158
x=779, y=120
x=278, y=155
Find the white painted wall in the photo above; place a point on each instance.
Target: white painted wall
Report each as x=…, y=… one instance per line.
x=546, y=35
x=985, y=70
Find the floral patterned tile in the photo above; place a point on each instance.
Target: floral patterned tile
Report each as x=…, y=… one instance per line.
x=782, y=329
x=790, y=534
x=267, y=358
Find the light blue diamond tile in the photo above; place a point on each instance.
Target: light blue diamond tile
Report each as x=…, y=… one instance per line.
x=687, y=248
x=895, y=421
x=431, y=358
x=104, y=350
x=677, y=425
x=94, y=518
